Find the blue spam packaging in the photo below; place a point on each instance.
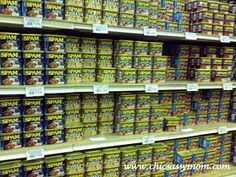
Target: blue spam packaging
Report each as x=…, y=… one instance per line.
x=54, y=136
x=54, y=43
x=55, y=166
x=33, y=168
x=32, y=9
x=10, y=8
x=33, y=138
x=55, y=60
x=54, y=121
x=55, y=77
x=54, y=105
x=10, y=77
x=11, y=169
x=33, y=77
x=54, y=11
x=33, y=60
x=32, y=42
x=10, y=107
x=10, y=59
x=10, y=125
x=32, y=106
x=33, y=123
x=10, y=141
x=10, y=41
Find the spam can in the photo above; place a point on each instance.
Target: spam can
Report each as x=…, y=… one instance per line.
x=74, y=14
x=54, y=1
x=34, y=138
x=111, y=5
x=54, y=43
x=93, y=16
x=88, y=74
x=33, y=60
x=10, y=141
x=54, y=136
x=31, y=42
x=54, y=105
x=74, y=60
x=110, y=18
x=33, y=123
x=55, y=60
x=73, y=133
x=10, y=41
x=10, y=107
x=32, y=106
x=54, y=11
x=78, y=3
x=32, y=9
x=72, y=44
x=10, y=125
x=90, y=129
x=10, y=59
x=55, y=166
x=126, y=20
x=10, y=77
x=33, y=77
x=74, y=76
x=54, y=121
x=55, y=77
x=105, y=46
x=10, y=8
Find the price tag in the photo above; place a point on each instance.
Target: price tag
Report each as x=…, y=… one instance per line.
x=151, y=88
x=100, y=28
x=187, y=130
x=222, y=130
x=224, y=39
x=30, y=22
x=148, y=139
x=35, y=154
x=100, y=89
x=98, y=139
x=190, y=36
x=192, y=87
x=34, y=91
x=227, y=86
x=149, y=32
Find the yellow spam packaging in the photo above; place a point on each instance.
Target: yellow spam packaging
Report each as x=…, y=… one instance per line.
x=31, y=42
x=123, y=61
x=73, y=76
x=144, y=76
x=72, y=102
x=127, y=76
x=156, y=126
x=89, y=115
x=125, y=128
x=94, y=160
x=11, y=141
x=75, y=163
x=198, y=155
x=126, y=20
x=155, y=48
x=55, y=166
x=105, y=128
x=90, y=129
x=141, y=21
x=33, y=138
x=104, y=61
x=89, y=101
x=105, y=46
x=88, y=45
x=141, y=127
x=128, y=155
x=173, y=123
x=74, y=60
x=93, y=173
x=88, y=74
x=126, y=101
x=72, y=44
x=126, y=115
x=159, y=151
x=142, y=114
x=93, y=16
x=111, y=5
x=110, y=18
x=106, y=75
x=74, y=14
x=33, y=168
x=73, y=133
x=160, y=62
x=202, y=75
x=157, y=113
x=111, y=157
x=89, y=60
x=113, y=171
x=106, y=101
x=124, y=47
x=54, y=11
x=158, y=76
x=143, y=62
x=78, y=3
x=12, y=168
x=10, y=76
x=140, y=48
x=33, y=77
x=93, y=4
x=144, y=153
x=143, y=100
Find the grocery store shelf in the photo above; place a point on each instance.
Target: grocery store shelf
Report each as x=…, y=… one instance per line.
x=220, y=173
x=115, y=140
x=83, y=88
x=8, y=21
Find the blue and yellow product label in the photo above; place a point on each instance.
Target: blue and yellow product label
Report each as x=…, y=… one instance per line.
x=55, y=72
x=33, y=72
x=10, y=72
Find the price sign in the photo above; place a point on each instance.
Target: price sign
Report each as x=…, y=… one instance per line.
x=224, y=39
x=192, y=87
x=151, y=88
x=100, y=28
x=98, y=139
x=100, y=89
x=148, y=139
x=150, y=32
x=227, y=86
x=30, y=22
x=223, y=130
x=35, y=154
x=34, y=91
x=187, y=130
x=190, y=36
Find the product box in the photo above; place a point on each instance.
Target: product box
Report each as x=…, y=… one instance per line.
x=54, y=136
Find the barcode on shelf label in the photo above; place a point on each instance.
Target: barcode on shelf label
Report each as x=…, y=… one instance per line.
x=151, y=88
x=148, y=140
x=224, y=39
x=100, y=28
x=34, y=91
x=227, y=86
x=192, y=87
x=190, y=36
x=35, y=154
x=30, y=22
x=149, y=32
x=100, y=89
x=222, y=130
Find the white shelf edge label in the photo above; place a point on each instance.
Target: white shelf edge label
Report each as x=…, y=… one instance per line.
x=100, y=89
x=190, y=36
x=192, y=87
x=151, y=88
x=187, y=130
x=97, y=139
x=222, y=130
x=149, y=32
x=224, y=39
x=30, y=22
x=34, y=91
x=148, y=139
x=227, y=86
x=35, y=154
x=100, y=28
